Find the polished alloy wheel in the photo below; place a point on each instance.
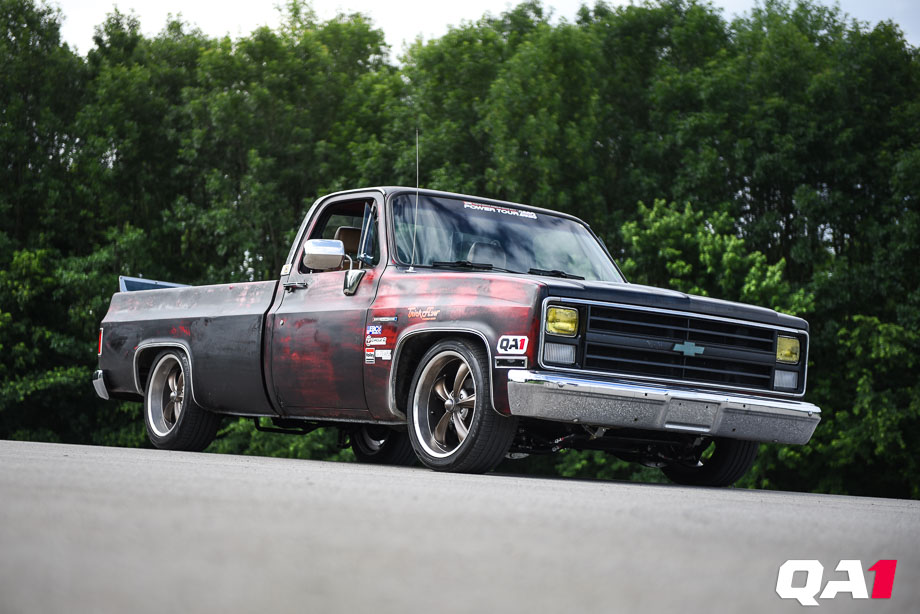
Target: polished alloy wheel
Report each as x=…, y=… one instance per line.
x=445, y=402
x=452, y=423
x=166, y=395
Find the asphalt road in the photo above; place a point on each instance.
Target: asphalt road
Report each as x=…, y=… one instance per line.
x=91, y=529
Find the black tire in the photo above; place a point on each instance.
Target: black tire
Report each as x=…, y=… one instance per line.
x=382, y=445
x=173, y=420
x=730, y=460
x=452, y=425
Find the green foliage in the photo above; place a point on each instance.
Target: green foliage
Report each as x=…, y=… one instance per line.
x=779, y=153
x=584, y=464
x=686, y=250
x=873, y=418
x=41, y=89
x=50, y=307
x=241, y=437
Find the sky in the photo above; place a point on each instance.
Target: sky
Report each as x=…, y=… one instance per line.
x=401, y=20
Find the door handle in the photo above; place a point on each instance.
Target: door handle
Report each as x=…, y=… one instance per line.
x=294, y=285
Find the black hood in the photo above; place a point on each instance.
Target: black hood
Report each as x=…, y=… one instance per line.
x=649, y=296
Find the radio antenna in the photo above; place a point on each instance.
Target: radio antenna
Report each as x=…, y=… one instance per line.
x=415, y=220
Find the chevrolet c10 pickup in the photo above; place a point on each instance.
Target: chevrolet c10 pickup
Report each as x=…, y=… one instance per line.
x=458, y=331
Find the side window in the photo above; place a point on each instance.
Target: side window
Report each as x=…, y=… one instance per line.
x=334, y=225
x=345, y=222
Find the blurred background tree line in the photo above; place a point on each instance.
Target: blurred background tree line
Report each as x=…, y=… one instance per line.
x=773, y=159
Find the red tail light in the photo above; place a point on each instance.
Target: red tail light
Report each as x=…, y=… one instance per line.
x=100, y=343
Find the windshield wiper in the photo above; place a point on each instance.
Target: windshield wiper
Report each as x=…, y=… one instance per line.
x=462, y=264
x=554, y=273
x=466, y=264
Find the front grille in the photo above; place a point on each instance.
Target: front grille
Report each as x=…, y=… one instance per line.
x=679, y=347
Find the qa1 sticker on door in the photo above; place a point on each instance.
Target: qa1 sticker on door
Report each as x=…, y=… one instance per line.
x=512, y=344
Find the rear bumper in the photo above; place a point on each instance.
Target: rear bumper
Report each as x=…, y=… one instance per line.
x=99, y=385
x=623, y=404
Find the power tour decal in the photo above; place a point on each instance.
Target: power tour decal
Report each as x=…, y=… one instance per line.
x=503, y=210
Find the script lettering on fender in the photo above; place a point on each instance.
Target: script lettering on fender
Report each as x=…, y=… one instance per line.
x=426, y=313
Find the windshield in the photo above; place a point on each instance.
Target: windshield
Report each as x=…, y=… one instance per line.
x=450, y=231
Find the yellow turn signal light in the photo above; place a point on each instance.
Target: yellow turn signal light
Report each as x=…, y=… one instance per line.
x=788, y=350
x=562, y=321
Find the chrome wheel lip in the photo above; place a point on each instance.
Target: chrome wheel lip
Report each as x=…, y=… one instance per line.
x=424, y=422
x=167, y=388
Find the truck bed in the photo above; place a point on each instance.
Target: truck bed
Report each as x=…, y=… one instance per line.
x=220, y=326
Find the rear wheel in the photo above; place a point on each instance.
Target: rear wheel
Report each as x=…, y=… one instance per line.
x=382, y=445
x=174, y=421
x=729, y=460
x=452, y=425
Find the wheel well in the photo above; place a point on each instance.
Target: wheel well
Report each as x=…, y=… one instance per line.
x=410, y=355
x=144, y=362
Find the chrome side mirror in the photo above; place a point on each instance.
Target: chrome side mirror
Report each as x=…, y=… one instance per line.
x=323, y=254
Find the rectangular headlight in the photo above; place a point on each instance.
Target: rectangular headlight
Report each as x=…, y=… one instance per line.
x=788, y=350
x=562, y=321
x=559, y=353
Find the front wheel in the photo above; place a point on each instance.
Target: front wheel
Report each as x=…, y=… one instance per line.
x=174, y=421
x=452, y=425
x=729, y=461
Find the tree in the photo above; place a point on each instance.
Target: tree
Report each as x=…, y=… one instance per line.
x=40, y=93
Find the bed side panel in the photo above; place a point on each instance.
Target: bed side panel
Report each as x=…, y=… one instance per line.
x=222, y=327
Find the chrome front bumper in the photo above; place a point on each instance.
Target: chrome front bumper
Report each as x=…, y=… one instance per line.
x=565, y=398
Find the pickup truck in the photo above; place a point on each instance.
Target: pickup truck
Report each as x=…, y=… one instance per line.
x=458, y=331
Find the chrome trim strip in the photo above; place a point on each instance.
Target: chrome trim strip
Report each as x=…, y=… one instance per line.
x=391, y=386
x=676, y=312
x=167, y=344
x=647, y=378
x=624, y=404
x=674, y=426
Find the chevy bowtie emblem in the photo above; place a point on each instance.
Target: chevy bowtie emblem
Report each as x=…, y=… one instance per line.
x=688, y=349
